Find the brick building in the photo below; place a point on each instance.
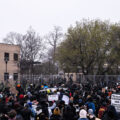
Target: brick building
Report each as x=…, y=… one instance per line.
x=9, y=62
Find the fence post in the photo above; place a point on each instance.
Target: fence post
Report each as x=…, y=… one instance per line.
x=94, y=80
x=81, y=78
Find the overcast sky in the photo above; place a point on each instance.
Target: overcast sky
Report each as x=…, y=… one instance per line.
x=42, y=15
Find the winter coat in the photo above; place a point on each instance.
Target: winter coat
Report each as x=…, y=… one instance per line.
x=110, y=114
x=55, y=117
x=82, y=119
x=89, y=118
x=101, y=112
x=68, y=113
x=26, y=113
x=91, y=105
x=12, y=119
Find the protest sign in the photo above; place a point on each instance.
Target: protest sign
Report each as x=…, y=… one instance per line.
x=53, y=97
x=66, y=99
x=115, y=101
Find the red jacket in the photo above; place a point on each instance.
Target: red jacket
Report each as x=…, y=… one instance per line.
x=101, y=111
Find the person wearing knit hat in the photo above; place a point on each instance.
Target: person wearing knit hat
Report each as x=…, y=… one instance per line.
x=21, y=96
x=83, y=115
x=91, y=115
x=90, y=111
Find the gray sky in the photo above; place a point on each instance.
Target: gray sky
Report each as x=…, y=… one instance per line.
x=42, y=15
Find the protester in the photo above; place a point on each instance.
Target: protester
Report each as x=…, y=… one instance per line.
x=12, y=115
x=82, y=102
x=102, y=109
x=91, y=115
x=56, y=114
x=83, y=115
x=90, y=104
x=110, y=114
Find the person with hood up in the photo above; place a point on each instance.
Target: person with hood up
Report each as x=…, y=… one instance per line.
x=83, y=115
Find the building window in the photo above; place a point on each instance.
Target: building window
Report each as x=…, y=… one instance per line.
x=15, y=57
x=6, y=56
x=6, y=76
x=15, y=75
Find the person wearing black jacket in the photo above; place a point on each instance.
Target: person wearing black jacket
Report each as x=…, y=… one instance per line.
x=68, y=113
x=26, y=113
x=56, y=114
x=110, y=114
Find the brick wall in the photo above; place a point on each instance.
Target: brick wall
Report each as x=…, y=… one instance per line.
x=12, y=65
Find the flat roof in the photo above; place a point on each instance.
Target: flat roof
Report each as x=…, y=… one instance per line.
x=10, y=44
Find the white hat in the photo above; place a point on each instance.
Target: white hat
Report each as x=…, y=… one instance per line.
x=83, y=114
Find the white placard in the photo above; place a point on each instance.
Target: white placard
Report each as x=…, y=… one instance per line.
x=115, y=101
x=52, y=97
x=66, y=99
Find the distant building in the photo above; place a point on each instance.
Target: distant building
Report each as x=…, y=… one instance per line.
x=9, y=63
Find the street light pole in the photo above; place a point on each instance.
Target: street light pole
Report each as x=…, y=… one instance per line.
x=49, y=66
x=105, y=67
x=6, y=61
x=50, y=71
x=6, y=65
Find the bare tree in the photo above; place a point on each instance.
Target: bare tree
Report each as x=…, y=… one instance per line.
x=13, y=38
x=31, y=46
x=54, y=38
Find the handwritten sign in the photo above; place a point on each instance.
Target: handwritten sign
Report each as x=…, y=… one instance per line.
x=52, y=97
x=66, y=99
x=115, y=101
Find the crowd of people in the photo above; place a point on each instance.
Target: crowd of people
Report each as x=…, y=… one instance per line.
x=86, y=102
